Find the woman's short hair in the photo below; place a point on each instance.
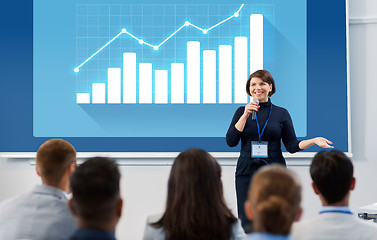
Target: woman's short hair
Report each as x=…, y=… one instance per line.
x=265, y=76
x=274, y=197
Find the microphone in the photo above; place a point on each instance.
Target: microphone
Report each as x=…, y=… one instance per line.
x=254, y=113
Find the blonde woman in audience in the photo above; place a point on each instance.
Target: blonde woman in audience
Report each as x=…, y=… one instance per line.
x=273, y=203
x=195, y=206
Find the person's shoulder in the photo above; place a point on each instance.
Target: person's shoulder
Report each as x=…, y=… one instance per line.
x=237, y=231
x=151, y=232
x=367, y=224
x=305, y=223
x=154, y=218
x=14, y=201
x=305, y=227
x=278, y=108
x=360, y=228
x=240, y=109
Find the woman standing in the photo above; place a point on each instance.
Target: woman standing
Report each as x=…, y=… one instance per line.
x=261, y=137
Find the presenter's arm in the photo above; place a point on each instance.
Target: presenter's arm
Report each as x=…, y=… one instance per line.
x=249, y=108
x=320, y=141
x=290, y=140
x=238, y=123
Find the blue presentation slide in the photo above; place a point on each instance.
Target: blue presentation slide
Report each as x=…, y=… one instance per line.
x=173, y=69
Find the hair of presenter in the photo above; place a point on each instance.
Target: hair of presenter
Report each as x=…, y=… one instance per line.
x=274, y=197
x=265, y=76
x=332, y=173
x=53, y=158
x=195, y=206
x=95, y=189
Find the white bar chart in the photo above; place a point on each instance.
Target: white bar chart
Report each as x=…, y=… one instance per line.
x=83, y=98
x=145, y=83
x=161, y=86
x=225, y=74
x=129, y=77
x=256, y=42
x=113, y=85
x=177, y=83
x=99, y=93
x=240, y=69
x=209, y=76
x=193, y=72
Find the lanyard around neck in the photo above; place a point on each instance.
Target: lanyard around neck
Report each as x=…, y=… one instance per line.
x=265, y=124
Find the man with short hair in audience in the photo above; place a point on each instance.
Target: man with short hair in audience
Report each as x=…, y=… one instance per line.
x=43, y=213
x=332, y=175
x=96, y=200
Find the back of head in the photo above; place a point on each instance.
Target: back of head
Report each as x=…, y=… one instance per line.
x=95, y=191
x=53, y=158
x=274, y=197
x=195, y=207
x=332, y=173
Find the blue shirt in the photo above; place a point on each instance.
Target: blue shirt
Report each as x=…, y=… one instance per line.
x=267, y=236
x=341, y=209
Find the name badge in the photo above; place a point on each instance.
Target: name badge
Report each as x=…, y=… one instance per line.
x=259, y=149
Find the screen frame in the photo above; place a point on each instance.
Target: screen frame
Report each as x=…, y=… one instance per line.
x=25, y=144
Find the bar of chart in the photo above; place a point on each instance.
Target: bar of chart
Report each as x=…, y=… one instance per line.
x=204, y=74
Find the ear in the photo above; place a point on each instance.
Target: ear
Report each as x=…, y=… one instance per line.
x=353, y=183
x=120, y=207
x=71, y=207
x=248, y=210
x=36, y=169
x=299, y=215
x=315, y=188
x=71, y=168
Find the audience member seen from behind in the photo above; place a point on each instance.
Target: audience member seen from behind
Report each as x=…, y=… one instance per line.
x=332, y=175
x=195, y=206
x=43, y=213
x=273, y=203
x=96, y=200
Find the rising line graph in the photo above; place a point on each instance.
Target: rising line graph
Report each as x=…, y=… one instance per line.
x=156, y=47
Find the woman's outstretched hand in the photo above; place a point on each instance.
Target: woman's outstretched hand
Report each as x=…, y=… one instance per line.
x=323, y=142
x=320, y=141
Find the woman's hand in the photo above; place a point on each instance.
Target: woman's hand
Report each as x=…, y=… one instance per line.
x=320, y=141
x=249, y=108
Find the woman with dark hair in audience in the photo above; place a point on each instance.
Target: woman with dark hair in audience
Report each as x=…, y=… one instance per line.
x=195, y=206
x=273, y=203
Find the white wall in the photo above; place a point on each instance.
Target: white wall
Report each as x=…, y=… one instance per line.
x=144, y=187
